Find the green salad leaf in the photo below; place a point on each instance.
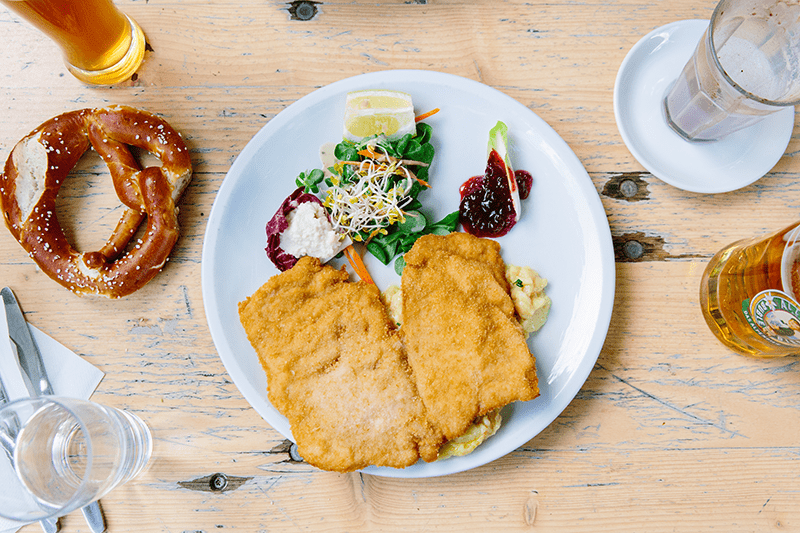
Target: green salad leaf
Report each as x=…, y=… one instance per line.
x=402, y=236
x=310, y=182
x=397, y=235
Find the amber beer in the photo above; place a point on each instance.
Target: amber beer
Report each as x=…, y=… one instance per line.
x=748, y=294
x=101, y=45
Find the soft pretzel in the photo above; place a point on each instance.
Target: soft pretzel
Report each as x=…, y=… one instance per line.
x=39, y=164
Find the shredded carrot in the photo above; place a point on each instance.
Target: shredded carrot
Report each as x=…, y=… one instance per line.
x=369, y=152
x=426, y=115
x=354, y=258
x=374, y=232
x=421, y=182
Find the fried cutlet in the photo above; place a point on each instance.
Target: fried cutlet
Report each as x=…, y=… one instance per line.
x=336, y=369
x=465, y=346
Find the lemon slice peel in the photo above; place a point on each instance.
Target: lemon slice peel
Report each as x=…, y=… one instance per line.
x=378, y=112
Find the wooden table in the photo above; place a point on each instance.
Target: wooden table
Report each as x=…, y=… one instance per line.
x=671, y=432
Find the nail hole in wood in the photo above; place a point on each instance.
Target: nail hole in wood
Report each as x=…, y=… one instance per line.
x=303, y=10
x=218, y=482
x=628, y=186
x=638, y=246
x=633, y=249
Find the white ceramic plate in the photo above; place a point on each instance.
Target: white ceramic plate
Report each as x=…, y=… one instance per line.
x=563, y=233
x=643, y=79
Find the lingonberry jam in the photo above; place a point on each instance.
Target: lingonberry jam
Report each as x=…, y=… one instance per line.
x=524, y=183
x=487, y=207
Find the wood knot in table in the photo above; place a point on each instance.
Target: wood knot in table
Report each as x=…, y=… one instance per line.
x=629, y=186
x=290, y=449
x=639, y=247
x=636, y=246
x=217, y=482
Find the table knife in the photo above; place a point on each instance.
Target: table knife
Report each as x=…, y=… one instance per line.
x=31, y=362
x=29, y=357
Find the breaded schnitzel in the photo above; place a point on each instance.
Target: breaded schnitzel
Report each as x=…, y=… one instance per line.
x=336, y=369
x=465, y=346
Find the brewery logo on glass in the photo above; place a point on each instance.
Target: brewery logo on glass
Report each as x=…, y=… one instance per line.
x=775, y=316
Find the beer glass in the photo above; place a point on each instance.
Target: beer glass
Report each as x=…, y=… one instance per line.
x=749, y=294
x=60, y=454
x=745, y=67
x=101, y=45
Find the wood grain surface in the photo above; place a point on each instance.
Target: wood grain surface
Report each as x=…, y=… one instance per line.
x=671, y=431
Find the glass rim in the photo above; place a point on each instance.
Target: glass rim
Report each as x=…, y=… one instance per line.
x=710, y=37
x=73, y=502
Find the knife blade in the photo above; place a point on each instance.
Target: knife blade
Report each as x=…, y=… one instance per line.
x=30, y=359
x=94, y=517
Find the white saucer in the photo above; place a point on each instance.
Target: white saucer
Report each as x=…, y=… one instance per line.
x=705, y=167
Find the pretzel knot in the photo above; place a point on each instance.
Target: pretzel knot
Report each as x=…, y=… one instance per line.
x=39, y=164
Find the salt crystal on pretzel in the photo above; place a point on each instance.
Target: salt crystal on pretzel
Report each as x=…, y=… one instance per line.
x=38, y=166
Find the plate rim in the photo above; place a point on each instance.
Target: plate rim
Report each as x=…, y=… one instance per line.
x=607, y=260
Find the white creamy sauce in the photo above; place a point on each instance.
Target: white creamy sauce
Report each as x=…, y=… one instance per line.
x=310, y=233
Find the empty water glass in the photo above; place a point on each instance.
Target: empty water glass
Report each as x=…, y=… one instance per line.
x=60, y=454
x=745, y=67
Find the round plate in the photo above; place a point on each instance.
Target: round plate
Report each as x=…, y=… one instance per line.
x=563, y=233
x=706, y=167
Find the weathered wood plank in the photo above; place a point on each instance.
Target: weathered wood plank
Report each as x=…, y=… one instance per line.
x=671, y=432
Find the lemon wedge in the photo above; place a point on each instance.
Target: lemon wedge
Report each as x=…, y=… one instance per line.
x=372, y=112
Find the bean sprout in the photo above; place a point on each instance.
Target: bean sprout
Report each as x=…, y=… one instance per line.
x=375, y=197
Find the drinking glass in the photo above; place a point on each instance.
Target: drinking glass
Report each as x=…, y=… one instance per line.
x=749, y=294
x=101, y=45
x=60, y=454
x=745, y=67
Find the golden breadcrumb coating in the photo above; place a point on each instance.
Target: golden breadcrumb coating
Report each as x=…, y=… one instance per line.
x=464, y=343
x=336, y=369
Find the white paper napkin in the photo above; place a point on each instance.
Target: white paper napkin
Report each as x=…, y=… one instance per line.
x=70, y=375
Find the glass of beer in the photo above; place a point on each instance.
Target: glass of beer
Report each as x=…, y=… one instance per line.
x=101, y=45
x=745, y=67
x=749, y=294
